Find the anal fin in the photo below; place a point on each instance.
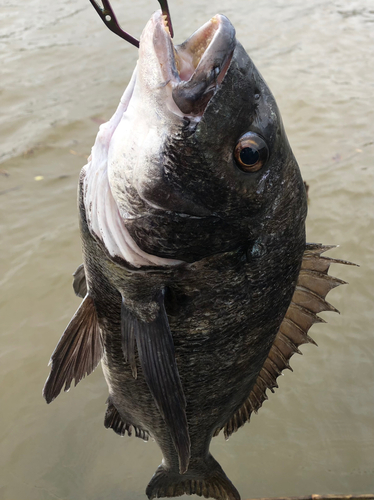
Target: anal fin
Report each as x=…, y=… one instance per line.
x=155, y=347
x=77, y=353
x=113, y=420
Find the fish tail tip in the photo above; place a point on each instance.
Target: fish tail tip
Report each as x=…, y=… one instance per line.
x=207, y=480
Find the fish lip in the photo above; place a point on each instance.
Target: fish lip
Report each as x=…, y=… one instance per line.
x=194, y=69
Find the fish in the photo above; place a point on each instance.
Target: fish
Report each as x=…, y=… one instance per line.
x=198, y=285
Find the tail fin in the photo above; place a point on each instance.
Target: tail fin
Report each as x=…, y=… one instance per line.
x=205, y=479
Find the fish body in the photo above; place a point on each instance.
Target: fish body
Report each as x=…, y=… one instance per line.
x=192, y=216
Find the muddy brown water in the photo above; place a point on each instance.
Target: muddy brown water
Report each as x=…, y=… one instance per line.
x=62, y=74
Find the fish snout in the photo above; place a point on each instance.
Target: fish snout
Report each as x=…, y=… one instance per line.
x=203, y=61
x=193, y=71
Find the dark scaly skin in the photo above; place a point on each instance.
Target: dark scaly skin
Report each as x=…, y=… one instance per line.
x=204, y=327
x=243, y=254
x=224, y=313
x=196, y=174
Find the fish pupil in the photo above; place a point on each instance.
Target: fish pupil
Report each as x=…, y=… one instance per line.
x=249, y=156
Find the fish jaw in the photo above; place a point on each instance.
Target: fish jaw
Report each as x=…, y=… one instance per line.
x=136, y=157
x=174, y=177
x=191, y=72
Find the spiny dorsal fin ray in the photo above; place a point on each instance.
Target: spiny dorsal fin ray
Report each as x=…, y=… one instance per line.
x=309, y=299
x=77, y=353
x=302, y=316
x=317, y=282
x=313, y=260
x=295, y=333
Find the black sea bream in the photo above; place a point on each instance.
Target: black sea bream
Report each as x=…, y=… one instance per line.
x=198, y=285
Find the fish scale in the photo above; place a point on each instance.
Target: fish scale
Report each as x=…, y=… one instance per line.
x=197, y=283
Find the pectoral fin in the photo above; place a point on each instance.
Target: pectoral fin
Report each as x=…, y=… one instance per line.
x=157, y=359
x=128, y=322
x=78, y=352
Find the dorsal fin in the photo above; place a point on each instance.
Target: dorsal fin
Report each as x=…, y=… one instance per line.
x=308, y=299
x=77, y=353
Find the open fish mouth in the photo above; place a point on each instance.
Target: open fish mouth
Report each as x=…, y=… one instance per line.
x=195, y=69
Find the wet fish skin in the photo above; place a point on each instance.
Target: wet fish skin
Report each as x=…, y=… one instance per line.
x=215, y=385
x=195, y=164
x=224, y=310
x=240, y=239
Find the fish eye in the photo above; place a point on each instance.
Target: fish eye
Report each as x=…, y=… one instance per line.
x=251, y=152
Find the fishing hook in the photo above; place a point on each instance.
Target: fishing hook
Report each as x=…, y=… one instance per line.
x=108, y=17
x=166, y=12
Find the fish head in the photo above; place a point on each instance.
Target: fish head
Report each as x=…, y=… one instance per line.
x=200, y=161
